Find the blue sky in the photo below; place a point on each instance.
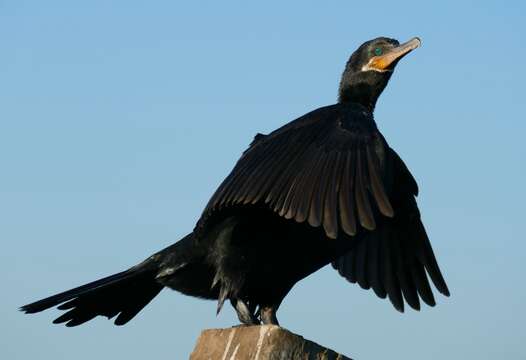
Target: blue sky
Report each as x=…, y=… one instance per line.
x=119, y=119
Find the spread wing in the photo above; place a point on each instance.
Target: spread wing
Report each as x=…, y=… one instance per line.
x=393, y=260
x=335, y=170
x=325, y=168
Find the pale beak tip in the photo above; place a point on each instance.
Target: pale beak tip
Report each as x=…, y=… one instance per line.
x=416, y=42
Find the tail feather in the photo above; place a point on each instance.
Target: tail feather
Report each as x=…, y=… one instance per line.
x=123, y=294
x=51, y=301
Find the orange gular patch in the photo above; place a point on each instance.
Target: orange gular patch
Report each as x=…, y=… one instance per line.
x=380, y=62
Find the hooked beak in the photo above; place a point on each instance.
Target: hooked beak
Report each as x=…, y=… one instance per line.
x=387, y=61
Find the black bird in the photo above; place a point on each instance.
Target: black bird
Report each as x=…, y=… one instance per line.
x=325, y=188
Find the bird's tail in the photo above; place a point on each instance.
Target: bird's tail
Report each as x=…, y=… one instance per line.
x=180, y=266
x=123, y=294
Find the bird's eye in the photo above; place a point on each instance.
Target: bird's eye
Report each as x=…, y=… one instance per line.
x=378, y=51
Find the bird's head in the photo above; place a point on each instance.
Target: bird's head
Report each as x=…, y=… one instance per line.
x=369, y=69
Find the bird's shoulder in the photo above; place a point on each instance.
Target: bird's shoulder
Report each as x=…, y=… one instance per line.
x=333, y=126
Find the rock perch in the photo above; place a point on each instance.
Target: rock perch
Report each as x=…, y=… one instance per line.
x=266, y=342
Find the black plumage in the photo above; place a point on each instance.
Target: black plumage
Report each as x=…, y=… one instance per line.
x=325, y=188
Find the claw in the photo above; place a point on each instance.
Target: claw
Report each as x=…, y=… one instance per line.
x=223, y=293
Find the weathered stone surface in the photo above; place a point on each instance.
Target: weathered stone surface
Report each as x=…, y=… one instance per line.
x=266, y=342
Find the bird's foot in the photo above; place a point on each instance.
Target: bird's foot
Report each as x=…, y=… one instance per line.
x=268, y=315
x=245, y=316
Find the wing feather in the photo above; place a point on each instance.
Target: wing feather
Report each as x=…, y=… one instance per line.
x=365, y=214
x=402, y=271
x=346, y=199
x=361, y=264
x=330, y=211
x=258, y=183
x=350, y=267
x=316, y=210
x=298, y=193
x=422, y=284
x=376, y=185
x=427, y=257
x=236, y=179
x=304, y=192
x=392, y=287
x=374, y=264
x=285, y=176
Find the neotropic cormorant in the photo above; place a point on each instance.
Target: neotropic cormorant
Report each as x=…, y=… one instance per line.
x=325, y=188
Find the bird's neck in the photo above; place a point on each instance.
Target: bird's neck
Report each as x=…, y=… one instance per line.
x=359, y=94
x=363, y=88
